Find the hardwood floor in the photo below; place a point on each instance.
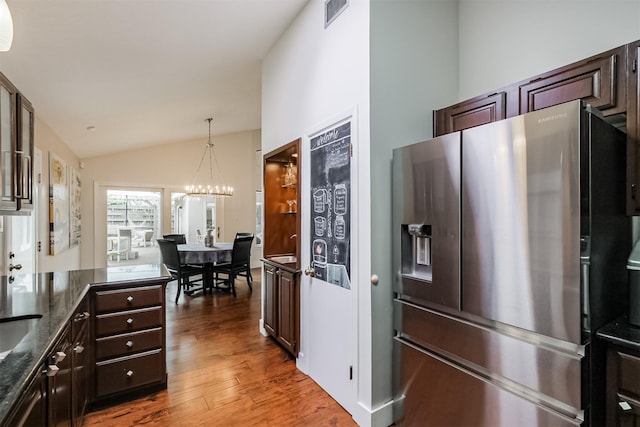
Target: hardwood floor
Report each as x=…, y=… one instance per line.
x=223, y=372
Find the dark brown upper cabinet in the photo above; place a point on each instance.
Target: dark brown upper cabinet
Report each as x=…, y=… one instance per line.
x=608, y=81
x=599, y=80
x=24, y=154
x=8, y=201
x=474, y=112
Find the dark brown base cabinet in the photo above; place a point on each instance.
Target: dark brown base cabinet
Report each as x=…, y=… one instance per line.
x=607, y=81
x=57, y=395
x=623, y=387
x=112, y=349
x=282, y=306
x=129, y=349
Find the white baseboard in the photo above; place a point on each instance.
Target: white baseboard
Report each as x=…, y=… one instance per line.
x=381, y=416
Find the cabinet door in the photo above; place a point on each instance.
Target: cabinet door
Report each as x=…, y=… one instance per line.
x=7, y=145
x=633, y=130
x=31, y=411
x=270, y=300
x=287, y=304
x=599, y=80
x=79, y=374
x=474, y=112
x=60, y=383
x=627, y=412
x=24, y=154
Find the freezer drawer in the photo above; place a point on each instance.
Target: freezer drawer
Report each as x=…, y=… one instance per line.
x=431, y=391
x=547, y=367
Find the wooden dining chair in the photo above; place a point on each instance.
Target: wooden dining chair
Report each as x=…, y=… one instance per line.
x=240, y=263
x=180, y=272
x=180, y=239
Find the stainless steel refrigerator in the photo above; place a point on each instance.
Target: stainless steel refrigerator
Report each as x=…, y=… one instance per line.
x=509, y=252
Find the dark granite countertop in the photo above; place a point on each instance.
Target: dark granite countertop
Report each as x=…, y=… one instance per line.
x=622, y=333
x=55, y=296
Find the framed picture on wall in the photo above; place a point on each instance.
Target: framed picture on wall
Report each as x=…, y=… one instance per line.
x=74, y=207
x=58, y=205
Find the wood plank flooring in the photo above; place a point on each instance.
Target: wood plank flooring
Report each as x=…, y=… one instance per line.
x=223, y=372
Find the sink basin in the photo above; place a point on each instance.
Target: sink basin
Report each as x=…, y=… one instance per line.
x=285, y=259
x=13, y=330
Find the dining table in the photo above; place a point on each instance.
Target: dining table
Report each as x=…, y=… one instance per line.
x=199, y=254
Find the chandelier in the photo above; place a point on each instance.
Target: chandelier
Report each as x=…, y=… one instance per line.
x=209, y=189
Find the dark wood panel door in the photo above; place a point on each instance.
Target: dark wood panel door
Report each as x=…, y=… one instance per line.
x=31, y=410
x=599, y=80
x=474, y=112
x=270, y=300
x=60, y=383
x=633, y=129
x=287, y=302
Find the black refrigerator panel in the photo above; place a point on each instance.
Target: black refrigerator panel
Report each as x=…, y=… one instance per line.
x=426, y=232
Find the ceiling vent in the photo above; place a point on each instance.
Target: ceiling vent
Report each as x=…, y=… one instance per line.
x=332, y=9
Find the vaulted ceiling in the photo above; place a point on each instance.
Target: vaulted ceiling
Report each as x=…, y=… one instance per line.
x=142, y=72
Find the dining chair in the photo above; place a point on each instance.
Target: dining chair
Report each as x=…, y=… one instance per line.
x=180, y=272
x=246, y=273
x=240, y=263
x=180, y=239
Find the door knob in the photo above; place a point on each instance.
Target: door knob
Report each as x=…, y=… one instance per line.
x=15, y=267
x=374, y=279
x=310, y=272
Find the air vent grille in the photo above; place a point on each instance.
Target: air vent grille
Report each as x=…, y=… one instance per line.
x=333, y=8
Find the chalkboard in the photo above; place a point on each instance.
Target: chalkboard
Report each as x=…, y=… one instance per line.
x=330, y=160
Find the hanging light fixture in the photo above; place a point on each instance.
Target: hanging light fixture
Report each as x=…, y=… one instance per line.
x=209, y=189
x=6, y=27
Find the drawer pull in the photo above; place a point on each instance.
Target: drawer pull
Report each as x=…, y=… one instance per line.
x=129, y=344
x=130, y=321
x=52, y=370
x=129, y=299
x=129, y=373
x=625, y=406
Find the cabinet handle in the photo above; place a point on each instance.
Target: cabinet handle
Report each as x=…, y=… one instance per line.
x=81, y=316
x=310, y=272
x=129, y=373
x=59, y=357
x=52, y=370
x=15, y=267
x=78, y=348
x=129, y=344
x=130, y=321
x=129, y=299
x=624, y=405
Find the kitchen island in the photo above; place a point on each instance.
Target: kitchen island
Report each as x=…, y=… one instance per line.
x=46, y=307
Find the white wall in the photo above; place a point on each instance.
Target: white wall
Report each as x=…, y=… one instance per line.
x=47, y=141
x=504, y=41
x=309, y=77
x=166, y=168
x=413, y=71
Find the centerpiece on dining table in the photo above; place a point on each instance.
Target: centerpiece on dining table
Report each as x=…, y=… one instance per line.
x=209, y=239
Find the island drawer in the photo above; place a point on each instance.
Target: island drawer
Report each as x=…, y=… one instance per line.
x=130, y=372
x=129, y=321
x=126, y=299
x=131, y=343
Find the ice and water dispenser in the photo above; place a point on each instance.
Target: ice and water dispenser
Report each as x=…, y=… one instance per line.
x=416, y=251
